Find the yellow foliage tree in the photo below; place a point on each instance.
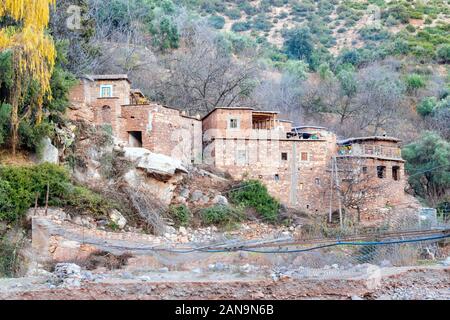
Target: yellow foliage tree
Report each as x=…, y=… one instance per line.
x=33, y=53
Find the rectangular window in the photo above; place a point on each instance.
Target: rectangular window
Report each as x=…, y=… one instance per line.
x=318, y=181
x=364, y=170
x=304, y=156
x=234, y=123
x=396, y=173
x=284, y=156
x=106, y=91
x=277, y=177
x=381, y=172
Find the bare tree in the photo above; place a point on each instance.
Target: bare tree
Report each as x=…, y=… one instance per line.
x=359, y=185
x=379, y=97
x=282, y=94
x=204, y=75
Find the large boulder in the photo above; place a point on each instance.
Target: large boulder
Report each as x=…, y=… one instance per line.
x=155, y=164
x=220, y=200
x=48, y=152
x=118, y=218
x=68, y=274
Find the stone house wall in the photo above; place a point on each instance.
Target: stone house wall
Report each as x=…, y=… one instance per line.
x=292, y=170
x=164, y=130
x=296, y=170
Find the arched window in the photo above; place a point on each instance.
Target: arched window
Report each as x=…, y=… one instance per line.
x=106, y=115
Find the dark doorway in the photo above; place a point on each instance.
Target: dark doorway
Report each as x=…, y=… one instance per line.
x=135, y=139
x=106, y=115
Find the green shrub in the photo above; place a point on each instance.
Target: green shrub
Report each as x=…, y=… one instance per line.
x=180, y=215
x=233, y=14
x=414, y=82
x=216, y=21
x=261, y=23
x=10, y=260
x=253, y=194
x=426, y=106
x=20, y=185
x=241, y=26
x=410, y=28
x=443, y=53
x=5, y=113
x=221, y=215
x=84, y=199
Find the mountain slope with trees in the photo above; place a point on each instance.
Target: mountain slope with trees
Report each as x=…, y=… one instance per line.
x=358, y=67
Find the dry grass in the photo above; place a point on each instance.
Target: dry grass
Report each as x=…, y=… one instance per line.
x=20, y=159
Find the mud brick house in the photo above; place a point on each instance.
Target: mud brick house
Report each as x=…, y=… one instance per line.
x=109, y=100
x=303, y=166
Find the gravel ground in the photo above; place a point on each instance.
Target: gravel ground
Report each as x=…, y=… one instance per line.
x=395, y=283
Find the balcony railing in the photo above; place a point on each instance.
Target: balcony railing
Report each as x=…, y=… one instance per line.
x=370, y=150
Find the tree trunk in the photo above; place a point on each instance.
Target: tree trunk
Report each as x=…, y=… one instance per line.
x=15, y=120
x=16, y=94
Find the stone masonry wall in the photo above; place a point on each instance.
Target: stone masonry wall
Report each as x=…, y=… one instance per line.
x=292, y=170
x=164, y=130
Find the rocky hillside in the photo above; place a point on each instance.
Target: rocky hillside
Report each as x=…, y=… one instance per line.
x=335, y=24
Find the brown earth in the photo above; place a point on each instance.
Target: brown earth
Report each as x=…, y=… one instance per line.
x=396, y=283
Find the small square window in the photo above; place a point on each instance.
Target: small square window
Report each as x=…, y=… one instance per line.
x=284, y=156
x=234, y=123
x=304, y=156
x=106, y=91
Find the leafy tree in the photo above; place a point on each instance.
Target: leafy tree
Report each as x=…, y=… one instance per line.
x=296, y=68
x=165, y=34
x=33, y=56
x=298, y=44
x=428, y=164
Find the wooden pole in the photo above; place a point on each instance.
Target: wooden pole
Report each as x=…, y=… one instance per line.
x=339, y=193
x=46, y=198
x=36, y=203
x=330, y=214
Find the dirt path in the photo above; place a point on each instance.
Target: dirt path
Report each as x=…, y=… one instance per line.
x=395, y=283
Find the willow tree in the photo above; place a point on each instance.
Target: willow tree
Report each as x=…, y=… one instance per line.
x=33, y=56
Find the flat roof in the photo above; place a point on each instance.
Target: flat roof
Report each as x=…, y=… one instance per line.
x=226, y=108
x=309, y=127
x=94, y=77
x=271, y=112
x=374, y=138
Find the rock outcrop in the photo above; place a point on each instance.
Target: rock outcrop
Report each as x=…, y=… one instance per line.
x=158, y=165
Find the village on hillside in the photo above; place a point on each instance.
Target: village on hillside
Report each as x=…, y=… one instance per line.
x=238, y=150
